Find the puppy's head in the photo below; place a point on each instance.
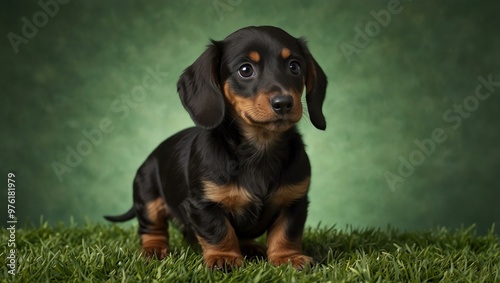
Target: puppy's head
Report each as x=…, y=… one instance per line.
x=257, y=75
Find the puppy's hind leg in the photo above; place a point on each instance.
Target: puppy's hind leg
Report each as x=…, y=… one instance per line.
x=151, y=210
x=153, y=228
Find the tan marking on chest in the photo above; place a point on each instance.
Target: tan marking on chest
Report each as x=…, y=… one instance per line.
x=231, y=197
x=287, y=194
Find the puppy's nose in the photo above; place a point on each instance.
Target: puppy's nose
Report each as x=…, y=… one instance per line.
x=282, y=103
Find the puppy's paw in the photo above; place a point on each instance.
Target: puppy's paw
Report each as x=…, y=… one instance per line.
x=298, y=261
x=155, y=252
x=154, y=246
x=223, y=261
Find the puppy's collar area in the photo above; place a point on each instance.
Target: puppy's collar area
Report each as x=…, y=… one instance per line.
x=238, y=132
x=262, y=138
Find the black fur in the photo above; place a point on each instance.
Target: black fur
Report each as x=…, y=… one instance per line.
x=219, y=151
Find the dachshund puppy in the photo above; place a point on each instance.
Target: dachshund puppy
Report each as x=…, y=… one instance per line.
x=243, y=170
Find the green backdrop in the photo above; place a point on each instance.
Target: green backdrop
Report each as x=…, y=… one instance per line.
x=412, y=103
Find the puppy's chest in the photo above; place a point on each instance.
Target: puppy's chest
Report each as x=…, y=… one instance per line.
x=253, y=198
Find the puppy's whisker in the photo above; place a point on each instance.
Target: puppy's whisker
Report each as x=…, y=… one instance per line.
x=232, y=121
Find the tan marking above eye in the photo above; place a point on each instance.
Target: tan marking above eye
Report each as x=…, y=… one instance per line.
x=254, y=56
x=286, y=194
x=231, y=197
x=285, y=53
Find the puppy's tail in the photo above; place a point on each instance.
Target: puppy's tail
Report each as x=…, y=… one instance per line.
x=121, y=218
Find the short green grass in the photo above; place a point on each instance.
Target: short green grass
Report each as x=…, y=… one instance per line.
x=110, y=253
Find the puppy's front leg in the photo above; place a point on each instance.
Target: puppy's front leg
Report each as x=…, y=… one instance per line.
x=284, y=238
x=222, y=253
x=215, y=234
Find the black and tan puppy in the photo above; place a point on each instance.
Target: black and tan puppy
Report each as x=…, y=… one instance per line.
x=243, y=169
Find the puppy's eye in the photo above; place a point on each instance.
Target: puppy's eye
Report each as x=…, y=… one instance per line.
x=295, y=67
x=246, y=71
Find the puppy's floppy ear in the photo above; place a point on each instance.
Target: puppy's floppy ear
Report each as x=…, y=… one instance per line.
x=200, y=91
x=316, y=82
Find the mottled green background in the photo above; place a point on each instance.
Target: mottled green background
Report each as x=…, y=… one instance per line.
x=79, y=66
